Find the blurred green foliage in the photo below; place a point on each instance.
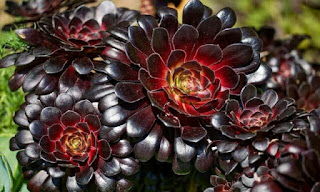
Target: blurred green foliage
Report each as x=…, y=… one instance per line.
x=10, y=43
x=13, y=170
x=9, y=103
x=286, y=16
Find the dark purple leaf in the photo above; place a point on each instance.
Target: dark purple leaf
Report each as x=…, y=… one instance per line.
x=145, y=149
x=193, y=13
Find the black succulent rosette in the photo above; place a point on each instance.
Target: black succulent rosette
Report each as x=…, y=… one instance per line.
x=255, y=130
x=283, y=57
x=292, y=75
x=220, y=185
x=260, y=179
x=63, y=146
x=305, y=90
x=35, y=9
x=110, y=87
x=300, y=165
x=248, y=179
x=62, y=42
x=30, y=11
x=176, y=76
x=279, y=46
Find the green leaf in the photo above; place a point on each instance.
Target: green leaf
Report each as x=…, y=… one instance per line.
x=1, y=187
x=6, y=174
x=4, y=148
x=13, y=163
x=9, y=102
x=24, y=188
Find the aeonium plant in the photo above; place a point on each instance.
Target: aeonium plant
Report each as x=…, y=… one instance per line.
x=35, y=9
x=255, y=131
x=175, y=76
x=292, y=76
x=109, y=89
x=60, y=146
x=297, y=171
x=61, y=43
x=29, y=11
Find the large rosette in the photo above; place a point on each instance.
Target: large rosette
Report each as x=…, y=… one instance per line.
x=176, y=76
x=60, y=146
x=70, y=39
x=254, y=133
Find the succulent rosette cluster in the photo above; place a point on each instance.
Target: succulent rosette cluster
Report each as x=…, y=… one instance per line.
x=108, y=89
x=35, y=9
x=219, y=185
x=177, y=76
x=305, y=90
x=255, y=131
x=60, y=144
x=62, y=43
x=29, y=11
x=292, y=76
x=283, y=57
x=300, y=162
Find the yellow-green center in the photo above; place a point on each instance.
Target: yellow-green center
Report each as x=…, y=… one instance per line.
x=74, y=143
x=187, y=84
